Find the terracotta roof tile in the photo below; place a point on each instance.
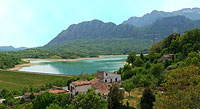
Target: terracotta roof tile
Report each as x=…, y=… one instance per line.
x=28, y=94
x=80, y=83
x=57, y=91
x=102, y=87
x=93, y=81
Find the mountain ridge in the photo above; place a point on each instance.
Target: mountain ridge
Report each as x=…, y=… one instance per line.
x=149, y=18
x=11, y=48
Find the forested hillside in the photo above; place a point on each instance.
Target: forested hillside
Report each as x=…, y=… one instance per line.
x=8, y=60
x=95, y=37
x=177, y=76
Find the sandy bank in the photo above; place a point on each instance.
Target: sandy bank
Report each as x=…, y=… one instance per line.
x=70, y=60
x=18, y=67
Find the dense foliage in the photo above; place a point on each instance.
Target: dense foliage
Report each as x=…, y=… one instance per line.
x=8, y=60
x=154, y=70
x=182, y=89
x=87, y=48
x=89, y=100
x=46, y=99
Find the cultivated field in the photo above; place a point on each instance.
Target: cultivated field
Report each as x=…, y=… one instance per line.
x=17, y=81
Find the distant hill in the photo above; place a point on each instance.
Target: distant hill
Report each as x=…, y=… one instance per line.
x=150, y=18
x=11, y=48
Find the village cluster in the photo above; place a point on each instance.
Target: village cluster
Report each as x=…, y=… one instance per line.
x=100, y=84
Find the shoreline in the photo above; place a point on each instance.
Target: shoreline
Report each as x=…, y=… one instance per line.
x=18, y=67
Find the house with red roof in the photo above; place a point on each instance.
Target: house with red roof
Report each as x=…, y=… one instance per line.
x=100, y=84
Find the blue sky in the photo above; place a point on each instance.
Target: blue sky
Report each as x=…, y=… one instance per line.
x=33, y=23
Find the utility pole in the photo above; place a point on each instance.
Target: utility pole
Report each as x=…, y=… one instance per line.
x=154, y=36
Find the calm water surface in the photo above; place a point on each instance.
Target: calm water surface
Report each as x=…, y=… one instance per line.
x=110, y=64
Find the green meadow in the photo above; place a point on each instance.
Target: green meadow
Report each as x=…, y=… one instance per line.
x=17, y=81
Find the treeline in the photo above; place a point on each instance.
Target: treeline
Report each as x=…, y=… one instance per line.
x=8, y=60
x=87, y=48
x=176, y=76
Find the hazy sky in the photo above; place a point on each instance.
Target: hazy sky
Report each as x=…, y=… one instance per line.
x=32, y=23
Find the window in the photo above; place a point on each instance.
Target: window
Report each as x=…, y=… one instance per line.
x=106, y=81
x=106, y=74
x=111, y=80
x=115, y=79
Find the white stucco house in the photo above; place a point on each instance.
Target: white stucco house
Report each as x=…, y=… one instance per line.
x=79, y=87
x=100, y=84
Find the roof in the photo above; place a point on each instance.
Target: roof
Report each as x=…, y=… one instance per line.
x=80, y=83
x=95, y=80
x=57, y=91
x=168, y=55
x=28, y=94
x=102, y=87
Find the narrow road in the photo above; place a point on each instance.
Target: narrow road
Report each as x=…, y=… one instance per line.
x=18, y=97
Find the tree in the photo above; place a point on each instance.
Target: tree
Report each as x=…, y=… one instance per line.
x=147, y=99
x=2, y=106
x=32, y=96
x=138, y=62
x=142, y=56
x=182, y=89
x=115, y=96
x=147, y=65
x=144, y=80
x=89, y=100
x=157, y=70
x=43, y=100
x=62, y=99
x=54, y=106
x=128, y=86
x=131, y=58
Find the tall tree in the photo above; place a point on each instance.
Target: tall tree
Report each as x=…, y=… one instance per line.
x=147, y=99
x=128, y=86
x=131, y=58
x=138, y=62
x=115, y=97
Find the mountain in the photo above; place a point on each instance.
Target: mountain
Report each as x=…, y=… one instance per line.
x=175, y=24
x=11, y=48
x=96, y=37
x=98, y=29
x=150, y=18
x=95, y=29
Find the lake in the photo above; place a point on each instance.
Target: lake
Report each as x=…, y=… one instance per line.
x=109, y=64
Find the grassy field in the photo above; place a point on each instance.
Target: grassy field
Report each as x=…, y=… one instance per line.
x=134, y=98
x=11, y=80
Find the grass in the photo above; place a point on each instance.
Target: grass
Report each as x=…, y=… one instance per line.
x=134, y=98
x=12, y=80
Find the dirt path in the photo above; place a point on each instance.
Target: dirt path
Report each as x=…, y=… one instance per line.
x=10, y=83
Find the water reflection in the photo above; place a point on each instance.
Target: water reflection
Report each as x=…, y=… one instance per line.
x=75, y=68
